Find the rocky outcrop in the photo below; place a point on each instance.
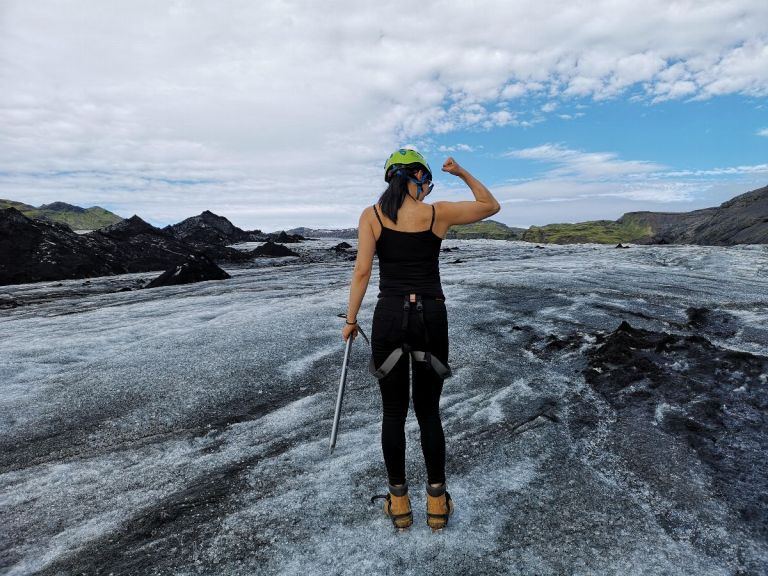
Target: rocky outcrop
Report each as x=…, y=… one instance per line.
x=141, y=247
x=34, y=250
x=283, y=237
x=273, y=250
x=210, y=229
x=741, y=220
x=196, y=268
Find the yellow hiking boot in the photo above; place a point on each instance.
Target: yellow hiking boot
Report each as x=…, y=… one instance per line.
x=439, y=507
x=397, y=506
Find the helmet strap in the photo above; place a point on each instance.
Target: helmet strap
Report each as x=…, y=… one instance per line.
x=419, y=182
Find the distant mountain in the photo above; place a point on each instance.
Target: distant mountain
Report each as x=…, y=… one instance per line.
x=741, y=220
x=484, y=229
x=596, y=231
x=324, y=232
x=75, y=217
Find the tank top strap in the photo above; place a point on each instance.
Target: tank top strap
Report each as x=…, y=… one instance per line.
x=377, y=215
x=433, y=218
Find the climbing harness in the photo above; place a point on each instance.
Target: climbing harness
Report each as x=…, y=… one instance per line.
x=435, y=364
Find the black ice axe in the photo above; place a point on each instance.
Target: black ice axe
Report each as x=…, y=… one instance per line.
x=342, y=384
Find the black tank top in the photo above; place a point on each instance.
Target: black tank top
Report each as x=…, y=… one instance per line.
x=408, y=261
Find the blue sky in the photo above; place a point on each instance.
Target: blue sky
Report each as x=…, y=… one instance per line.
x=698, y=146
x=281, y=113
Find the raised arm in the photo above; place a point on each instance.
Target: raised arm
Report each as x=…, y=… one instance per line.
x=484, y=205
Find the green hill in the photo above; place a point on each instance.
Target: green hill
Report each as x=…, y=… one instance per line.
x=484, y=229
x=596, y=231
x=75, y=217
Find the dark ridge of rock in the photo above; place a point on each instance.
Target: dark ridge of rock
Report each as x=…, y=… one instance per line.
x=197, y=268
x=141, y=247
x=224, y=253
x=741, y=220
x=210, y=229
x=129, y=228
x=33, y=250
x=540, y=247
x=714, y=401
x=620, y=245
x=341, y=247
x=449, y=249
x=457, y=261
x=713, y=322
x=283, y=238
x=273, y=250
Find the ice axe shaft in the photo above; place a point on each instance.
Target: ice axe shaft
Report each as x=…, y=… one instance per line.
x=340, y=396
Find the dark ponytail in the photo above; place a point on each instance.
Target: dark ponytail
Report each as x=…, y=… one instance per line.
x=394, y=196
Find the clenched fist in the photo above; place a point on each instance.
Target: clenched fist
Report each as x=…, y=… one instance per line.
x=452, y=167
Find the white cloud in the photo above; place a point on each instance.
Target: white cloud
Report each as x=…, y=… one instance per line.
x=727, y=171
x=276, y=102
x=763, y=132
x=456, y=148
x=583, y=165
x=594, y=185
x=570, y=116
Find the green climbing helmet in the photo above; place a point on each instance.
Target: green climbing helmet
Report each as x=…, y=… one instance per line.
x=403, y=157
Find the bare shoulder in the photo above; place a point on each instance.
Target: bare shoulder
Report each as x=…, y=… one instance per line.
x=367, y=219
x=442, y=208
x=367, y=214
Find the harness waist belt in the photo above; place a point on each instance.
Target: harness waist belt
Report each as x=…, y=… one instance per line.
x=442, y=370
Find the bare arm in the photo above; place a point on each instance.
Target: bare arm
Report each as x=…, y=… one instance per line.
x=483, y=206
x=366, y=247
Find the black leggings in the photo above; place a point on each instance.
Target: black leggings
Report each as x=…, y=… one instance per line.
x=386, y=335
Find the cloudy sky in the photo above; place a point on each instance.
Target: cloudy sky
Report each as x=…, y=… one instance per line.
x=281, y=113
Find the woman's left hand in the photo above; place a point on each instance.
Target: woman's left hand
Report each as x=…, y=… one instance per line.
x=347, y=330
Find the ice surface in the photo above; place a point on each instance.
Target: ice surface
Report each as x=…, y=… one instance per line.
x=184, y=430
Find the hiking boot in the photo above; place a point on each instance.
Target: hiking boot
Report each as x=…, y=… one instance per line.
x=439, y=507
x=397, y=506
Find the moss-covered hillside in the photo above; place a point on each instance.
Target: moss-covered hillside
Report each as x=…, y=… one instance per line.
x=597, y=231
x=484, y=229
x=75, y=217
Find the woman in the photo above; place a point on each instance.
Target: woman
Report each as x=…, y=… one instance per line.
x=410, y=317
